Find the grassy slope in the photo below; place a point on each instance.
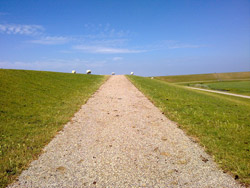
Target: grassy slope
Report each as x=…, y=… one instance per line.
x=221, y=123
x=239, y=87
x=33, y=107
x=206, y=77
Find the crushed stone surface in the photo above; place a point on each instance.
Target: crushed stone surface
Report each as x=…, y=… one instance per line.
x=120, y=139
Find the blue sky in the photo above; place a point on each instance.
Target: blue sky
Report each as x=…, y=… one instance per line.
x=150, y=38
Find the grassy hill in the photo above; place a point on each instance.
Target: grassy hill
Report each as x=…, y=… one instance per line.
x=238, y=87
x=220, y=123
x=34, y=105
x=206, y=77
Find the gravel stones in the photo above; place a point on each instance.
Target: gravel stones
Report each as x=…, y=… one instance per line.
x=120, y=139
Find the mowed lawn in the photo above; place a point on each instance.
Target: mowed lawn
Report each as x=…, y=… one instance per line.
x=220, y=123
x=238, y=87
x=34, y=105
x=206, y=77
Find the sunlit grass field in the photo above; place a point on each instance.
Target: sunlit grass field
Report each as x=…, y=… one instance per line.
x=238, y=87
x=220, y=123
x=206, y=77
x=35, y=105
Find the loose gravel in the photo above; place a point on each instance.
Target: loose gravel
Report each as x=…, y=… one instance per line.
x=120, y=139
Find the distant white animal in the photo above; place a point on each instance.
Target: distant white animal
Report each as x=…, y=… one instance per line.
x=73, y=71
x=113, y=73
x=88, y=71
x=152, y=77
x=132, y=73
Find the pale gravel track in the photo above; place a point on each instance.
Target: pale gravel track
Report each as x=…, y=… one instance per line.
x=120, y=139
x=221, y=92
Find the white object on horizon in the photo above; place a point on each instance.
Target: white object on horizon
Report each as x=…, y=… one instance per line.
x=152, y=77
x=88, y=71
x=73, y=71
x=132, y=73
x=113, y=73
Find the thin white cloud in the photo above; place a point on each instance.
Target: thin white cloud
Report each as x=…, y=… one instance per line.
x=109, y=42
x=21, y=29
x=104, y=31
x=66, y=51
x=51, y=40
x=184, y=46
x=54, y=64
x=104, y=50
x=96, y=64
x=117, y=58
x=171, y=44
x=104, y=39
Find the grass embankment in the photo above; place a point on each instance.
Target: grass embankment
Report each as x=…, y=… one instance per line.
x=239, y=87
x=220, y=123
x=34, y=105
x=206, y=77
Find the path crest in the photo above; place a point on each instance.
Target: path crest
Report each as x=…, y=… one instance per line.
x=120, y=139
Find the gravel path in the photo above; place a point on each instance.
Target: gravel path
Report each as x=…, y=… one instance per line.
x=120, y=139
x=221, y=92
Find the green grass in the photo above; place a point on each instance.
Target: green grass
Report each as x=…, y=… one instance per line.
x=34, y=106
x=206, y=77
x=220, y=123
x=239, y=87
